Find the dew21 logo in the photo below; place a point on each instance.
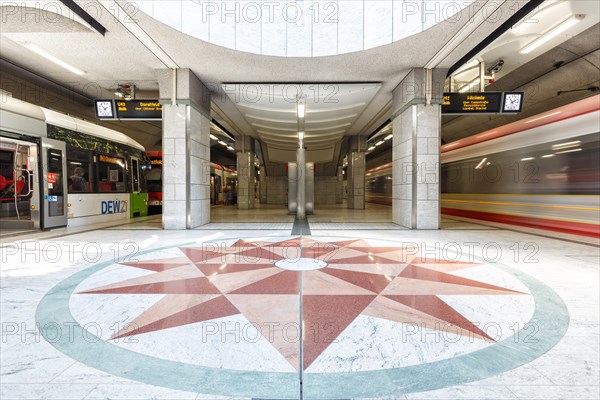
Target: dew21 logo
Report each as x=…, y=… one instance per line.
x=113, y=206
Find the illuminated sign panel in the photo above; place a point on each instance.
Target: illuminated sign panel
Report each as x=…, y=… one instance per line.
x=482, y=103
x=139, y=109
x=112, y=160
x=472, y=103
x=130, y=109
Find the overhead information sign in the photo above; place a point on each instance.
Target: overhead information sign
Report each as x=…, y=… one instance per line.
x=139, y=109
x=482, y=103
x=130, y=109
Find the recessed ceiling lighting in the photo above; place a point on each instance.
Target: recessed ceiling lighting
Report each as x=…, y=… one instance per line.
x=568, y=151
x=55, y=60
x=562, y=146
x=481, y=163
x=301, y=110
x=552, y=33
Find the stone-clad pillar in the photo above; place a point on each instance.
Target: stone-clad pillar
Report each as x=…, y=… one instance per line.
x=355, y=184
x=245, y=175
x=186, y=150
x=416, y=116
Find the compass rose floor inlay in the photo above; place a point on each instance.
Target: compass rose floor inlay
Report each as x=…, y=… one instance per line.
x=248, y=317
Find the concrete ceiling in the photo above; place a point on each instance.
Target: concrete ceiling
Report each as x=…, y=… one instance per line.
x=272, y=112
x=120, y=57
x=569, y=63
x=570, y=66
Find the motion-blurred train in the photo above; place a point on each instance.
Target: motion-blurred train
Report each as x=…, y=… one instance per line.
x=56, y=170
x=541, y=172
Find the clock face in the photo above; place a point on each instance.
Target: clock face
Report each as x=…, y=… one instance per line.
x=512, y=102
x=104, y=109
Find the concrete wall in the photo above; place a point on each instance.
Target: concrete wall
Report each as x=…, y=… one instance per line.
x=276, y=187
x=327, y=190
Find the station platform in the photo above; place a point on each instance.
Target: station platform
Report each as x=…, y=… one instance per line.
x=363, y=311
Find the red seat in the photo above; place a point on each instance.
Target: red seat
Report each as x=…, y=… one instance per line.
x=105, y=187
x=18, y=186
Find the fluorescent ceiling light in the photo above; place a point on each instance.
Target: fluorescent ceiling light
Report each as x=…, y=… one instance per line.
x=301, y=135
x=562, y=146
x=547, y=155
x=527, y=158
x=388, y=137
x=469, y=86
x=371, y=148
x=230, y=148
x=481, y=163
x=542, y=117
x=129, y=22
x=213, y=137
x=222, y=143
x=380, y=143
x=55, y=60
x=568, y=151
x=557, y=30
x=301, y=110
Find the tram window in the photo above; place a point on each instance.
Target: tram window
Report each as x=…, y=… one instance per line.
x=79, y=177
x=79, y=171
x=111, y=174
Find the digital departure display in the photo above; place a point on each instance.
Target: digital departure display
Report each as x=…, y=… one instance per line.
x=128, y=109
x=472, y=103
x=482, y=103
x=139, y=109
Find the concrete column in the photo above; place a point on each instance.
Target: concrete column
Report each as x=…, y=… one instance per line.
x=245, y=175
x=301, y=182
x=356, y=179
x=416, y=149
x=339, y=196
x=263, y=185
x=186, y=150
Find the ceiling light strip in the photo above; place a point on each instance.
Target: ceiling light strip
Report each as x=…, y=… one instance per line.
x=52, y=58
x=128, y=22
x=551, y=34
x=464, y=32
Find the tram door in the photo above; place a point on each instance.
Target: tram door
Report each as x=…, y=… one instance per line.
x=19, y=193
x=54, y=180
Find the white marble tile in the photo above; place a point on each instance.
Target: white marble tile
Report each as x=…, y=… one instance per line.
x=103, y=315
x=48, y=391
x=568, y=369
x=32, y=362
x=547, y=392
x=229, y=343
x=465, y=393
x=135, y=392
x=370, y=343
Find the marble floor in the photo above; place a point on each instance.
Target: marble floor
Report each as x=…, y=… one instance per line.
x=352, y=311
